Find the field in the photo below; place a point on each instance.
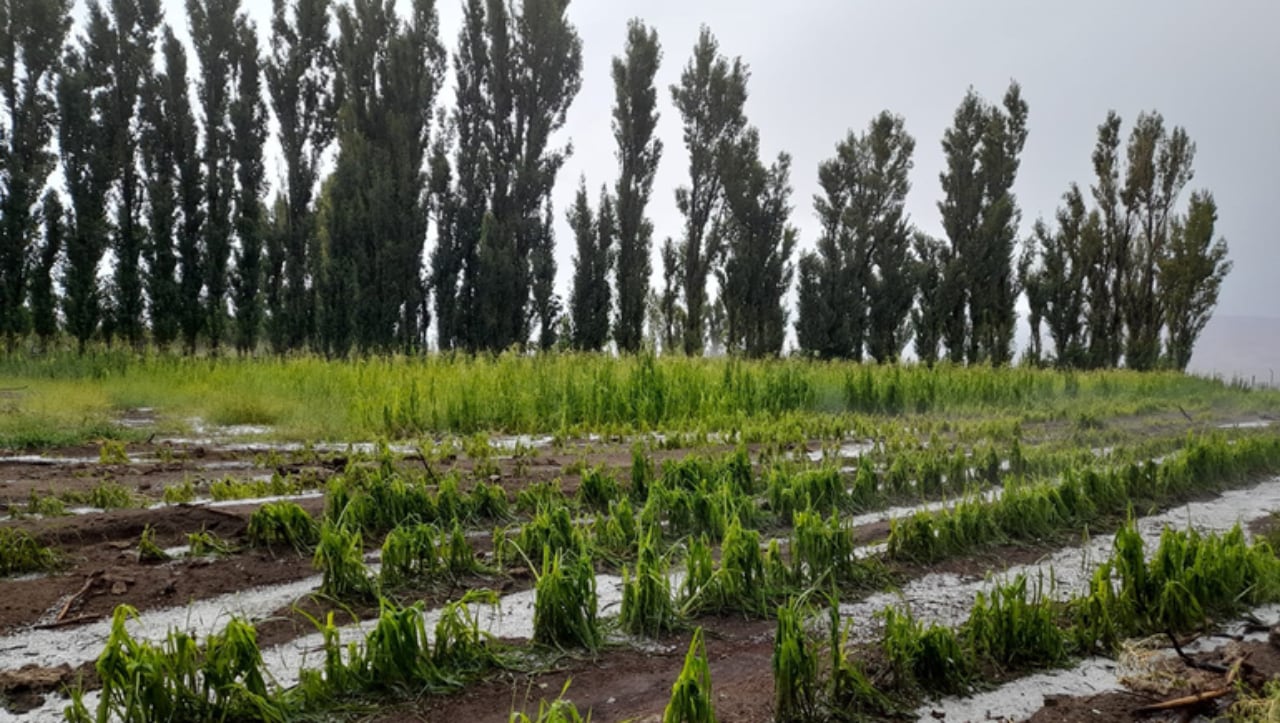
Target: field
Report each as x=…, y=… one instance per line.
x=634, y=539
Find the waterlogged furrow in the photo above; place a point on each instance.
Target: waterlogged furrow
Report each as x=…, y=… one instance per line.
x=945, y=598
x=511, y=618
x=870, y=518
x=73, y=646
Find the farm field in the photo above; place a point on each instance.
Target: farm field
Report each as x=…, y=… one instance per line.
x=455, y=539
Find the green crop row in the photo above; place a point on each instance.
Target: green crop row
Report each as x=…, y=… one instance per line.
x=1030, y=512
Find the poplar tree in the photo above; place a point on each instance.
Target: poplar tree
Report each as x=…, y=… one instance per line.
x=710, y=98
x=460, y=192
x=1107, y=255
x=930, y=316
x=184, y=136
x=388, y=75
x=1055, y=277
x=248, y=122
x=980, y=215
x=299, y=74
x=759, y=241
x=534, y=72
x=215, y=38
x=589, y=302
x=1191, y=274
x=542, y=266
x=31, y=37
x=122, y=45
x=858, y=287
x=669, y=313
x=1159, y=166
x=86, y=169
x=878, y=206
x=44, y=302
x=164, y=104
x=831, y=304
x=635, y=118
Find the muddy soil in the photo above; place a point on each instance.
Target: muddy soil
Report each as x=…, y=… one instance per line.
x=101, y=570
x=624, y=684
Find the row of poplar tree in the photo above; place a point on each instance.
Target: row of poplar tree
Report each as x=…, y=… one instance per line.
x=129, y=212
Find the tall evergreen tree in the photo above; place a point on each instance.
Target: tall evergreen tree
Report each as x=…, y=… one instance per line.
x=980, y=216
x=859, y=283
x=184, y=136
x=31, y=37
x=1107, y=255
x=299, y=73
x=878, y=202
x=1055, y=277
x=961, y=210
x=215, y=37
x=589, y=302
x=545, y=310
x=669, y=331
x=635, y=118
x=1191, y=273
x=832, y=306
x=248, y=120
x=710, y=98
x=275, y=239
x=1159, y=166
x=122, y=45
x=388, y=75
x=460, y=193
x=534, y=72
x=995, y=291
x=163, y=101
x=446, y=267
x=929, y=318
x=86, y=168
x=44, y=301
x=757, y=268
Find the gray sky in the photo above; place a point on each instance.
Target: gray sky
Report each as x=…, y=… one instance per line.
x=822, y=67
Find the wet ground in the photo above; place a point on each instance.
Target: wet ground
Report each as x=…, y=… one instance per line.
x=52, y=625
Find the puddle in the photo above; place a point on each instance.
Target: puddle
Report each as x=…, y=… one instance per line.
x=890, y=513
x=847, y=450
x=42, y=461
x=1253, y=424
x=137, y=418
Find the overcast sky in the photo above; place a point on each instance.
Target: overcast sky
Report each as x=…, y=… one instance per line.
x=822, y=67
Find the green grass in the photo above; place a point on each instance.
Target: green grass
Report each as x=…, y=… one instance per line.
x=66, y=398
